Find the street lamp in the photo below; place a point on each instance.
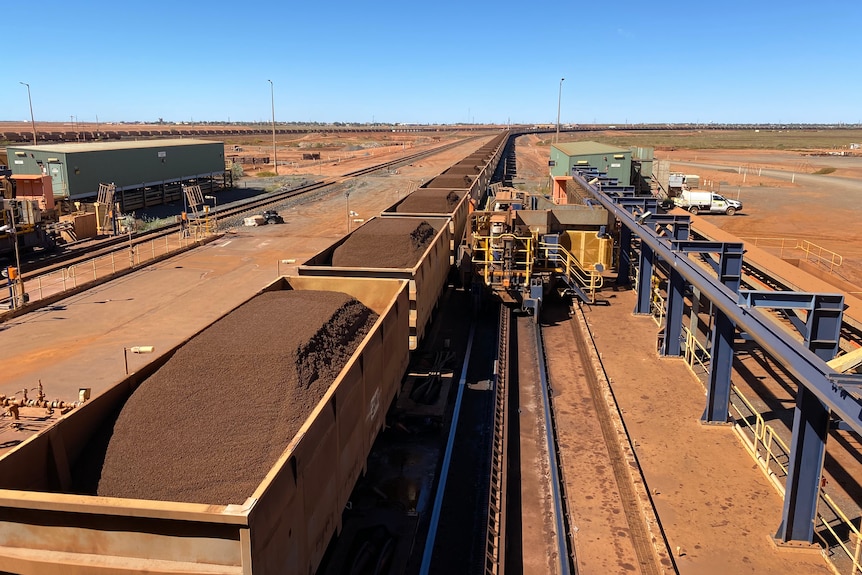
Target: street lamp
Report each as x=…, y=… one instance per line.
x=559, y=99
x=32, y=119
x=274, y=150
x=285, y=262
x=215, y=209
x=347, y=196
x=136, y=349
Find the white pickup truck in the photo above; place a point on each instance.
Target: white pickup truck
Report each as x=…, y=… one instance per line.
x=705, y=201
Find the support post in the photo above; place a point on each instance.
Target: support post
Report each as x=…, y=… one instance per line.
x=624, y=267
x=823, y=325
x=646, y=265
x=720, y=369
x=675, y=311
x=807, y=450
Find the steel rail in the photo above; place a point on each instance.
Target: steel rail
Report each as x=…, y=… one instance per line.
x=565, y=554
x=495, y=531
x=425, y=567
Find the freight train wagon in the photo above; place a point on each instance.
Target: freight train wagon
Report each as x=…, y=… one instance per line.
x=474, y=172
x=284, y=526
x=427, y=276
x=435, y=203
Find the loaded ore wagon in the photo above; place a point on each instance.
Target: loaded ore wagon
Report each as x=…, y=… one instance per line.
x=233, y=453
x=413, y=249
x=434, y=202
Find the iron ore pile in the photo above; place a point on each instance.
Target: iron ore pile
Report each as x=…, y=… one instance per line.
x=211, y=422
x=430, y=202
x=385, y=243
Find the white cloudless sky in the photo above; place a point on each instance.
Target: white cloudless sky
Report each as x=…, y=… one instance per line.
x=434, y=62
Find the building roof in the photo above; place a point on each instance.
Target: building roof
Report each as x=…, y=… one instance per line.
x=74, y=147
x=588, y=148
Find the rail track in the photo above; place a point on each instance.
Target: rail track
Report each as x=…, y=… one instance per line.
x=235, y=210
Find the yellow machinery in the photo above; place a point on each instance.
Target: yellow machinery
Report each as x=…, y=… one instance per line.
x=519, y=253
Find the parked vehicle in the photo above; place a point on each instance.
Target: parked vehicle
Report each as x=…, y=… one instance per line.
x=705, y=201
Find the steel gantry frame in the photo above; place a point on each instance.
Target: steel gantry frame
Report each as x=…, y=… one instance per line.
x=823, y=391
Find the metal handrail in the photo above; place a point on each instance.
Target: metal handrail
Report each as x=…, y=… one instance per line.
x=569, y=265
x=813, y=252
x=70, y=277
x=772, y=454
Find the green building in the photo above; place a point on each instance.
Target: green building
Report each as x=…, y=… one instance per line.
x=77, y=169
x=616, y=162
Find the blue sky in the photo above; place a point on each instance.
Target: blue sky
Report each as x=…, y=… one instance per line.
x=436, y=62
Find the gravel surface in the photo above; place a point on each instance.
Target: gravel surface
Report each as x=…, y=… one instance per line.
x=209, y=425
x=430, y=202
x=385, y=243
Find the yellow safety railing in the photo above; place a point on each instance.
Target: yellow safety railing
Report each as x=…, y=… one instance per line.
x=813, y=252
x=820, y=255
x=772, y=455
x=695, y=353
x=770, y=452
x=853, y=533
x=567, y=264
x=656, y=305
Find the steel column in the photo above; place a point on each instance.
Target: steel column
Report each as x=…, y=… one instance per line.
x=824, y=325
x=720, y=369
x=674, y=227
x=624, y=267
x=807, y=450
x=821, y=329
x=646, y=267
x=675, y=311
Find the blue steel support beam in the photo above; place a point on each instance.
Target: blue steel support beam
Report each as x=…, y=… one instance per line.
x=822, y=328
x=817, y=395
x=850, y=382
x=632, y=204
x=646, y=265
x=675, y=311
x=807, y=450
x=802, y=363
x=721, y=352
x=720, y=369
x=729, y=265
x=624, y=267
x=675, y=227
x=824, y=325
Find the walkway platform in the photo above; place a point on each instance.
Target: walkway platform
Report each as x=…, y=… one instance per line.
x=718, y=509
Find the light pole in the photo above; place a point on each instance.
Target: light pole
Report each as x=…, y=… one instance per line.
x=274, y=151
x=135, y=349
x=278, y=265
x=32, y=119
x=559, y=99
x=347, y=196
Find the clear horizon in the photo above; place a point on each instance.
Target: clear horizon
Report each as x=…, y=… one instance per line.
x=450, y=63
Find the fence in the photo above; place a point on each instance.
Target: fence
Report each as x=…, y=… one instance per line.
x=812, y=252
x=106, y=266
